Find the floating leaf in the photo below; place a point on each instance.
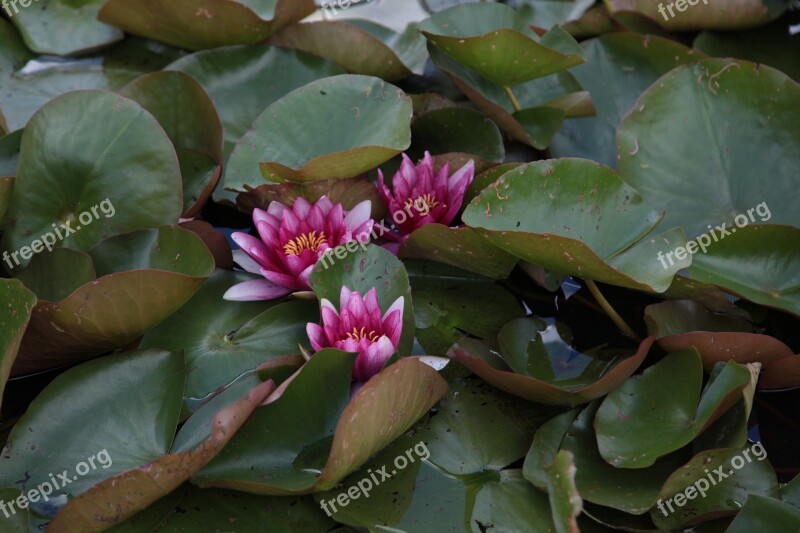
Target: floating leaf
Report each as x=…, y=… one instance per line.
x=211, y=24
x=188, y=116
x=635, y=426
x=576, y=217
x=706, y=177
x=62, y=27
x=16, y=304
x=704, y=15
x=543, y=367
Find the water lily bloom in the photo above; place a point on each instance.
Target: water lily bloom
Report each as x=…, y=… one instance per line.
x=359, y=327
x=291, y=242
x=422, y=196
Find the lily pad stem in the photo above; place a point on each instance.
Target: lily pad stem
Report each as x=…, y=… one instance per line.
x=514, y=101
x=610, y=311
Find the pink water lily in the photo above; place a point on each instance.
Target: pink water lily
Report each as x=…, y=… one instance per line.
x=291, y=242
x=359, y=327
x=424, y=195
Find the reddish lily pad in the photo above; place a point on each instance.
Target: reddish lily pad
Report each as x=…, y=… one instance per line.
x=121, y=496
x=339, y=435
x=544, y=370
x=209, y=24
x=682, y=324
x=145, y=276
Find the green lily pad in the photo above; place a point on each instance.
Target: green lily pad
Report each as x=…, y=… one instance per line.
x=538, y=365
x=359, y=46
x=188, y=116
x=361, y=271
x=509, y=503
x=705, y=178
x=737, y=477
x=774, y=44
x=9, y=160
x=705, y=15
x=539, y=106
x=6, y=186
x=456, y=129
x=576, y=217
x=222, y=340
x=757, y=263
x=270, y=455
x=450, y=302
x=119, y=497
x=74, y=270
x=16, y=304
x=145, y=276
x=192, y=509
x=632, y=490
x=213, y=24
x=549, y=13
x=63, y=27
x=126, y=162
x=135, y=400
x=565, y=500
x=288, y=141
x=492, y=40
x=635, y=426
x=221, y=71
x=17, y=522
x=682, y=324
x=461, y=247
x=618, y=68
x=761, y=513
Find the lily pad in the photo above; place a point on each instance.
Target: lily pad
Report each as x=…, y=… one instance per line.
x=565, y=500
x=127, y=162
x=705, y=178
x=736, y=478
x=16, y=305
x=359, y=46
x=757, y=263
x=52, y=435
x=705, y=15
x=222, y=340
x=618, y=68
x=538, y=365
x=763, y=513
x=456, y=129
x=339, y=435
x=121, y=496
x=450, y=302
x=682, y=324
x=492, y=40
x=212, y=24
x=288, y=140
x=188, y=116
x=9, y=160
x=64, y=28
x=576, y=217
x=74, y=268
x=461, y=247
x=145, y=276
x=635, y=427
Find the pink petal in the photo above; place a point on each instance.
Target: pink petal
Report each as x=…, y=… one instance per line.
x=305, y=276
x=393, y=321
x=249, y=264
x=301, y=207
x=279, y=278
x=358, y=216
x=370, y=363
x=254, y=290
x=317, y=336
x=344, y=297
x=276, y=209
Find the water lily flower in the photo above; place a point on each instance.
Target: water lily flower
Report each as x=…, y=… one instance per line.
x=422, y=196
x=359, y=327
x=291, y=242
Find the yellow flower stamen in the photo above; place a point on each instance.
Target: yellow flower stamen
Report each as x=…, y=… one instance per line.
x=423, y=203
x=357, y=334
x=307, y=241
